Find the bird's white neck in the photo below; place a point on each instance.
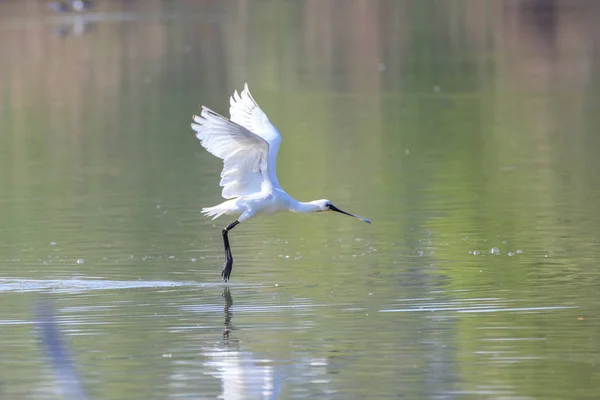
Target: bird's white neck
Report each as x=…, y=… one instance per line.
x=302, y=207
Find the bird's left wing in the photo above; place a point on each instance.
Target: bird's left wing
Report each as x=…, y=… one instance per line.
x=244, y=154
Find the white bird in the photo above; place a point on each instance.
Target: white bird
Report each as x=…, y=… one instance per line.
x=248, y=144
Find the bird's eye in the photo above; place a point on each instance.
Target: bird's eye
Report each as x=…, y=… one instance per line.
x=328, y=205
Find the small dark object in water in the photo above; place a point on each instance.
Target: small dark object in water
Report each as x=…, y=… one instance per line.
x=58, y=6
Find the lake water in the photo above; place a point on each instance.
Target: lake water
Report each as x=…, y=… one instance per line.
x=466, y=131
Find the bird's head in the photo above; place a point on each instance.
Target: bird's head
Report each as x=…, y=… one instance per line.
x=325, y=205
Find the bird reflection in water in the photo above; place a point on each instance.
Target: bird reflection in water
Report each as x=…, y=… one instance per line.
x=243, y=374
x=228, y=303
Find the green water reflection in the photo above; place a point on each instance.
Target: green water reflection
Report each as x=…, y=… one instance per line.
x=465, y=130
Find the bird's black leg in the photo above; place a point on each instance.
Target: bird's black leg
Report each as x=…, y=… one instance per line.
x=228, y=258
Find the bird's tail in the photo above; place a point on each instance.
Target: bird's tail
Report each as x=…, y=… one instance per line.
x=220, y=209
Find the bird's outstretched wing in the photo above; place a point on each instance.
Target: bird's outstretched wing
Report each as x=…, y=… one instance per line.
x=244, y=154
x=245, y=112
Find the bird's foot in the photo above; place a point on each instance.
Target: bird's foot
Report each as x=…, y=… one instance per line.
x=227, y=267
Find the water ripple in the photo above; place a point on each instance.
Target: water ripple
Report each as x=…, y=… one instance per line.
x=82, y=285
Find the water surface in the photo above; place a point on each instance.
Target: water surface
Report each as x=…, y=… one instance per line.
x=466, y=131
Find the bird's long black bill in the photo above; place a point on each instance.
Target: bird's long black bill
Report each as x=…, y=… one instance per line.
x=334, y=208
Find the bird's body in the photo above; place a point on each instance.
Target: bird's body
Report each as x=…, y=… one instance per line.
x=248, y=144
x=262, y=203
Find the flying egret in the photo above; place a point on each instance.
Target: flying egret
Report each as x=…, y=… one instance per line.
x=248, y=144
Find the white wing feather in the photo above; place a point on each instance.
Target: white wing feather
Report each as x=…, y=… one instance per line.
x=245, y=111
x=244, y=154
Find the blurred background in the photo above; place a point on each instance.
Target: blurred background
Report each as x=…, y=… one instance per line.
x=465, y=130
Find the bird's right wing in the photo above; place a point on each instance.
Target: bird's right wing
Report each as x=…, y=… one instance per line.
x=244, y=154
x=245, y=111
